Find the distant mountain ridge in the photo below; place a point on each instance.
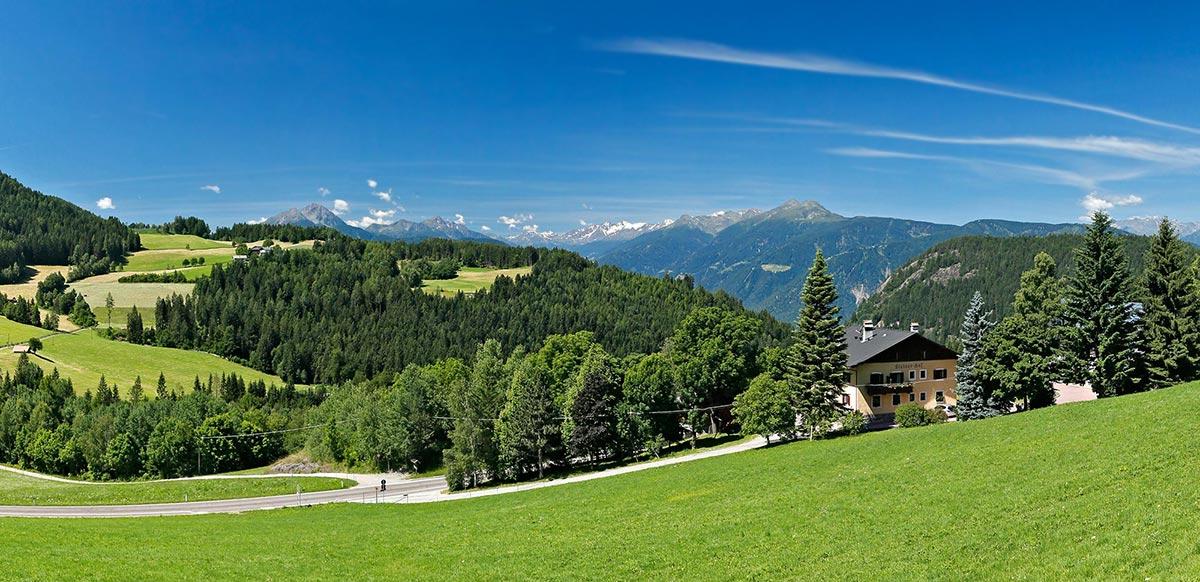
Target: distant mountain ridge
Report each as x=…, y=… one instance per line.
x=404, y=230
x=763, y=257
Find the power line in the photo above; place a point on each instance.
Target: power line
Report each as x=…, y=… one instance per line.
x=263, y=433
x=630, y=413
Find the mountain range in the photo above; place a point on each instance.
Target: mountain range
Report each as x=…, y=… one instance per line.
x=404, y=230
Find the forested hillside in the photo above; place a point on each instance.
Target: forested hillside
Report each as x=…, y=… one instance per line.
x=935, y=288
x=40, y=229
x=347, y=309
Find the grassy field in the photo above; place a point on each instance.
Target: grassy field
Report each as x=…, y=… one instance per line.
x=1098, y=490
x=156, y=242
x=161, y=260
x=12, y=332
x=120, y=315
x=470, y=280
x=141, y=295
x=16, y=489
x=84, y=356
x=28, y=289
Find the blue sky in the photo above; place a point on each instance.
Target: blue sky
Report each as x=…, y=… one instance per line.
x=560, y=113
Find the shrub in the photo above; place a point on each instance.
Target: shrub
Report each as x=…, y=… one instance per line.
x=912, y=414
x=854, y=422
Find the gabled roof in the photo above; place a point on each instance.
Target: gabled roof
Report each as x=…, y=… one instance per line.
x=859, y=352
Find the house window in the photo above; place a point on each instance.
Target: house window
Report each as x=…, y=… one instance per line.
x=875, y=401
x=912, y=375
x=911, y=396
x=845, y=400
x=877, y=377
x=895, y=399
x=922, y=397
x=939, y=374
x=896, y=378
x=939, y=396
x=924, y=373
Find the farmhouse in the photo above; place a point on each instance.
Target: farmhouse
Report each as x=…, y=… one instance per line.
x=20, y=349
x=890, y=367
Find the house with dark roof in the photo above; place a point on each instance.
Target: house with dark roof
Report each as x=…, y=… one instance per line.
x=890, y=367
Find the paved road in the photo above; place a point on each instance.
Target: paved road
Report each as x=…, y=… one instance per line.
x=363, y=492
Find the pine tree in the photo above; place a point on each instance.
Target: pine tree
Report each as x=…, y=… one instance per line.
x=161, y=389
x=815, y=365
x=529, y=430
x=136, y=394
x=973, y=402
x=1172, y=332
x=1021, y=358
x=1107, y=342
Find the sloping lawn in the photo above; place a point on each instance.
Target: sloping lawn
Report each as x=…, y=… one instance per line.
x=84, y=356
x=1098, y=490
x=16, y=489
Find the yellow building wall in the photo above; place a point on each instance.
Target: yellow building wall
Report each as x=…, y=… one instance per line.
x=860, y=376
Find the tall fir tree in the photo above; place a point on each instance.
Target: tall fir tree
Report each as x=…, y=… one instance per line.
x=1172, y=331
x=973, y=399
x=529, y=430
x=1107, y=342
x=815, y=364
x=1021, y=358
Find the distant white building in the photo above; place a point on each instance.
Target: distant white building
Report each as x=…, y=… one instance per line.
x=21, y=349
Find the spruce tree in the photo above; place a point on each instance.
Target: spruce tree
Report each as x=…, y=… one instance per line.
x=1107, y=343
x=815, y=364
x=161, y=388
x=1021, y=358
x=1172, y=332
x=973, y=402
x=590, y=429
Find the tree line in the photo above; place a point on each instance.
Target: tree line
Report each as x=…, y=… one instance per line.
x=214, y=427
x=36, y=229
x=1100, y=325
x=345, y=310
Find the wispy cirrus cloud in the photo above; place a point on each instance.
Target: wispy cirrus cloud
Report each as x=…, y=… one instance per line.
x=810, y=63
x=215, y=189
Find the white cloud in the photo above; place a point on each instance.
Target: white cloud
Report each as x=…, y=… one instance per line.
x=105, y=203
x=374, y=217
x=323, y=191
x=385, y=196
x=708, y=51
x=485, y=228
x=459, y=219
x=340, y=206
x=215, y=189
x=514, y=221
x=259, y=220
x=1095, y=202
x=582, y=222
x=372, y=184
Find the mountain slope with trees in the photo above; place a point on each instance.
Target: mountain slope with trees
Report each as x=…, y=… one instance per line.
x=935, y=288
x=36, y=229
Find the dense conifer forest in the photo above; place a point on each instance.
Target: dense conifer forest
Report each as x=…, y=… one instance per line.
x=36, y=229
x=935, y=289
x=348, y=310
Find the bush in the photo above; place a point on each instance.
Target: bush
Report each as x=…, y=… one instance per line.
x=854, y=422
x=913, y=414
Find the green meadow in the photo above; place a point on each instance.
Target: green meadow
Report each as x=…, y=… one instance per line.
x=17, y=489
x=157, y=241
x=1097, y=490
x=85, y=356
x=470, y=280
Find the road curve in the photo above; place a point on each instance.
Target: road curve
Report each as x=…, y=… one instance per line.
x=365, y=491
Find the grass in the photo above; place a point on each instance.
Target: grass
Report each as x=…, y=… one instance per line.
x=17, y=489
x=120, y=316
x=1098, y=490
x=158, y=241
x=470, y=280
x=141, y=295
x=84, y=356
x=28, y=288
x=12, y=332
x=160, y=260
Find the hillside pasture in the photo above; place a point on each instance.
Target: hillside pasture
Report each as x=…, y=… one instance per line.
x=162, y=260
x=28, y=288
x=12, y=332
x=1108, y=489
x=141, y=295
x=157, y=241
x=85, y=356
x=18, y=489
x=470, y=280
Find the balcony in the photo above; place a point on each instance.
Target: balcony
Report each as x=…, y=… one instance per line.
x=885, y=389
